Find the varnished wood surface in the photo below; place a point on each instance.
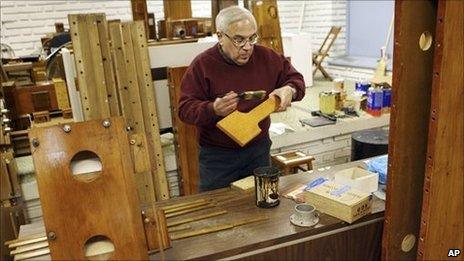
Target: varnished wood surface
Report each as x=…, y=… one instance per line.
x=105, y=206
x=277, y=229
x=407, y=146
x=243, y=127
x=443, y=202
x=177, y=9
x=185, y=137
x=267, y=18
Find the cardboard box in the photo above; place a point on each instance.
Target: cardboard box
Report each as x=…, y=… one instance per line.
x=359, y=179
x=340, y=201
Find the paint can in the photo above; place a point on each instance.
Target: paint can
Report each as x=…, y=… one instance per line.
x=327, y=102
x=362, y=86
x=374, y=101
x=267, y=186
x=386, y=100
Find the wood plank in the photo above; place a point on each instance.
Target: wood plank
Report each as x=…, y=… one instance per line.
x=199, y=217
x=32, y=254
x=61, y=93
x=88, y=208
x=190, y=210
x=412, y=79
x=149, y=110
x=174, y=206
x=140, y=12
x=177, y=9
x=185, y=137
x=267, y=18
x=442, y=211
x=107, y=62
x=30, y=247
x=243, y=127
x=87, y=54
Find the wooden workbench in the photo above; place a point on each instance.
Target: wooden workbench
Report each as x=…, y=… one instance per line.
x=275, y=238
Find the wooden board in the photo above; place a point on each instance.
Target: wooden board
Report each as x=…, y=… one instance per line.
x=243, y=127
x=149, y=110
x=177, y=9
x=442, y=211
x=185, y=137
x=131, y=107
x=267, y=18
x=407, y=147
x=106, y=206
x=89, y=66
x=61, y=93
x=140, y=12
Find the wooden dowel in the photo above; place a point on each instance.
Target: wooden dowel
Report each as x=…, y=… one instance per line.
x=179, y=228
x=216, y=228
x=27, y=242
x=172, y=210
x=24, y=238
x=200, y=217
x=30, y=247
x=182, y=204
x=36, y=253
x=175, y=214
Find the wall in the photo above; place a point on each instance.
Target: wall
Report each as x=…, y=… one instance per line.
x=23, y=23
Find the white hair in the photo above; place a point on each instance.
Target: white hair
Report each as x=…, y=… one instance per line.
x=233, y=14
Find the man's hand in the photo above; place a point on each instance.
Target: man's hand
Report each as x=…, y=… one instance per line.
x=285, y=94
x=225, y=105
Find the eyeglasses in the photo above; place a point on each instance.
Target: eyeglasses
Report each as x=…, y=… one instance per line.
x=239, y=41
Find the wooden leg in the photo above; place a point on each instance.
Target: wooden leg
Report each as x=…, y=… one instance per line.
x=324, y=72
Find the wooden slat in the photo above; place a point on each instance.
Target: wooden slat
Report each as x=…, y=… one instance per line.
x=185, y=137
x=177, y=9
x=140, y=12
x=412, y=79
x=30, y=247
x=199, y=217
x=130, y=103
x=442, y=220
x=84, y=35
x=190, y=210
x=35, y=253
x=149, y=111
x=110, y=83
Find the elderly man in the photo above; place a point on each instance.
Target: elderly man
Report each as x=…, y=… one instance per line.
x=209, y=93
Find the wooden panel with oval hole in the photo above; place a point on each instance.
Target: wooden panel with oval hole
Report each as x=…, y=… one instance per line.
x=97, y=210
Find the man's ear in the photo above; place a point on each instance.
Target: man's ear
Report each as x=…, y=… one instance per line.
x=220, y=37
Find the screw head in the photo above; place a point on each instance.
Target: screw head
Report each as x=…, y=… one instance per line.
x=106, y=123
x=51, y=235
x=35, y=142
x=67, y=128
x=132, y=142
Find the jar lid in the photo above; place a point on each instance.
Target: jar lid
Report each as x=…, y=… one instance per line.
x=268, y=171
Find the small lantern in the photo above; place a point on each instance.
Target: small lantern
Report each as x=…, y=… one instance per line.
x=267, y=186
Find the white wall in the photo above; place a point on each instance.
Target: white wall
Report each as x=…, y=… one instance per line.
x=23, y=23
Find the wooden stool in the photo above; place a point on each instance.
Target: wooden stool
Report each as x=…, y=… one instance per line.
x=41, y=116
x=290, y=161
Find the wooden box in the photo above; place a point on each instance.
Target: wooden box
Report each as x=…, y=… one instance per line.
x=358, y=178
x=340, y=201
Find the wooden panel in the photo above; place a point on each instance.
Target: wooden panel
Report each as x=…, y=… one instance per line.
x=267, y=18
x=149, y=111
x=24, y=98
x=107, y=205
x=442, y=211
x=61, y=93
x=412, y=79
x=177, y=9
x=130, y=103
x=89, y=66
x=110, y=83
x=243, y=127
x=185, y=137
x=218, y=5
x=347, y=245
x=140, y=12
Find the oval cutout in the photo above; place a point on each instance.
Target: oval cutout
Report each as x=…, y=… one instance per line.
x=86, y=166
x=98, y=248
x=425, y=41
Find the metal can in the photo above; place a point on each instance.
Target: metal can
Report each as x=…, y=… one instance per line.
x=267, y=186
x=374, y=101
x=362, y=86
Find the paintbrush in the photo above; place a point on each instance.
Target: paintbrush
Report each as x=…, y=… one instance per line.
x=250, y=95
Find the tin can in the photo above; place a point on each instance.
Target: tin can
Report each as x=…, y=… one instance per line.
x=267, y=186
x=362, y=86
x=327, y=102
x=386, y=100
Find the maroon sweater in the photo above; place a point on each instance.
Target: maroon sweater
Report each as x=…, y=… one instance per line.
x=210, y=76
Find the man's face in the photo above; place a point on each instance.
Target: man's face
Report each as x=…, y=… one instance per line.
x=238, y=32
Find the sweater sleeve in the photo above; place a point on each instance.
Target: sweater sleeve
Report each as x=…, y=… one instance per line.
x=195, y=105
x=290, y=76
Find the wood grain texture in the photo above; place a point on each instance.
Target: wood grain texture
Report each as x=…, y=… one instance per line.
x=140, y=12
x=106, y=206
x=177, y=9
x=24, y=98
x=243, y=127
x=267, y=18
x=269, y=233
x=407, y=147
x=61, y=93
x=149, y=110
x=89, y=66
x=443, y=201
x=185, y=137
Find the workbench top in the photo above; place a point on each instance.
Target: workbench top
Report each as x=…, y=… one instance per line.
x=252, y=238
